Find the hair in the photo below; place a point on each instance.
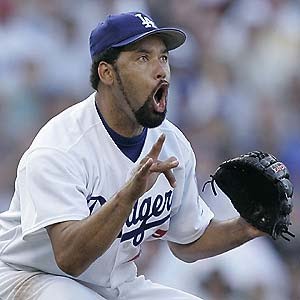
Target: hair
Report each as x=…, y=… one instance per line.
x=110, y=56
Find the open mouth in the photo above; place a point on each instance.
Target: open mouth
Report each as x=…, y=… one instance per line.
x=160, y=97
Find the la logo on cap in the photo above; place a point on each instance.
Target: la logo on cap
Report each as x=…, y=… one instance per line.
x=146, y=21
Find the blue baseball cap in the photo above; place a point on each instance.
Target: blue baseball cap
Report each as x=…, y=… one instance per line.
x=126, y=28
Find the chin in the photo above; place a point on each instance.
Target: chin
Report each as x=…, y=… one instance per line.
x=146, y=116
x=151, y=121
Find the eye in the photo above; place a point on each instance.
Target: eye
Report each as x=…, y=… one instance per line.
x=143, y=58
x=165, y=58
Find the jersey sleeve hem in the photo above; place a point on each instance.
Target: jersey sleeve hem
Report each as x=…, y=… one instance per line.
x=207, y=216
x=38, y=228
x=196, y=236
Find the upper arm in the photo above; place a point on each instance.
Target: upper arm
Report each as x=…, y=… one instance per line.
x=57, y=233
x=180, y=251
x=52, y=190
x=189, y=251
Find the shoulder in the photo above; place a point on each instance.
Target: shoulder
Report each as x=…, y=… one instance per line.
x=70, y=134
x=68, y=127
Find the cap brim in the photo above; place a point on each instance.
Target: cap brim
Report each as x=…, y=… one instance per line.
x=172, y=37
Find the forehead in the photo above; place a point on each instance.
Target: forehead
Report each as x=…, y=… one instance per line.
x=153, y=42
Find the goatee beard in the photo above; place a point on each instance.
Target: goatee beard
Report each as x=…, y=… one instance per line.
x=147, y=117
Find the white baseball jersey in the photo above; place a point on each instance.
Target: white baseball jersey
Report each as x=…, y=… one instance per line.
x=71, y=169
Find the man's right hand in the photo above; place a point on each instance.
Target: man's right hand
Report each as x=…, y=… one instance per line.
x=148, y=170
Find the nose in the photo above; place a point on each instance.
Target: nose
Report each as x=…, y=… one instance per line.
x=160, y=70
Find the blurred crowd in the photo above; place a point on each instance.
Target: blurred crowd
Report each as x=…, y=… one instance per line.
x=235, y=87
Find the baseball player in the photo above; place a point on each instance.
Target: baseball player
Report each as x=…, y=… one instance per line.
x=106, y=175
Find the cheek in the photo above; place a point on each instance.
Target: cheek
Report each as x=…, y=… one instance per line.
x=137, y=87
x=168, y=77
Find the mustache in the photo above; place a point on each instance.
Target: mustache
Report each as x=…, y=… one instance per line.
x=160, y=83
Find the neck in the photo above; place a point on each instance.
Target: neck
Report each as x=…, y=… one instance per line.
x=116, y=118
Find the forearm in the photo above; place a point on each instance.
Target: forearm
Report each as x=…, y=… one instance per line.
x=82, y=242
x=219, y=237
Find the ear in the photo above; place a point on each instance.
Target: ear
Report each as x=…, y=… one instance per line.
x=105, y=72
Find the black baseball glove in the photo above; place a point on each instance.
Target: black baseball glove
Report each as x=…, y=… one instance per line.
x=260, y=189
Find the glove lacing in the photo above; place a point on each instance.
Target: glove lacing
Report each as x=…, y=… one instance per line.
x=283, y=231
x=212, y=183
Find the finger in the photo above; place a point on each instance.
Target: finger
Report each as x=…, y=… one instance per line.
x=162, y=166
x=171, y=178
x=156, y=148
x=144, y=160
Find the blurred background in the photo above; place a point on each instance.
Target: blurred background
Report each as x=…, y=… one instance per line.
x=235, y=87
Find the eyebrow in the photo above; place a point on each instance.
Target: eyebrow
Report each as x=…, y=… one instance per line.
x=143, y=50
